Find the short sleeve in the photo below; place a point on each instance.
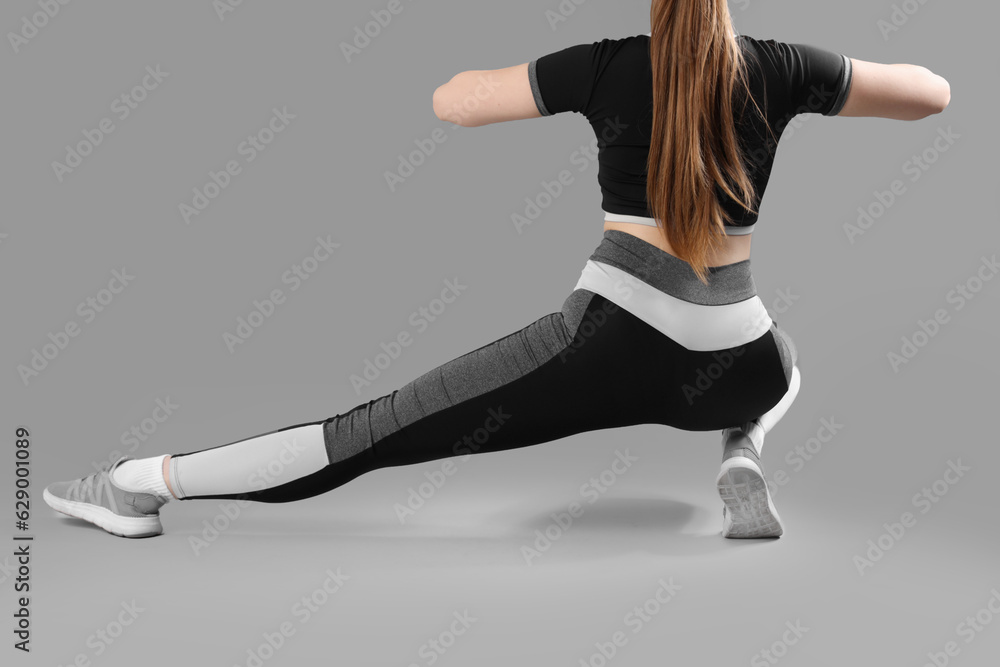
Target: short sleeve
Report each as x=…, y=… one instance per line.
x=818, y=80
x=564, y=80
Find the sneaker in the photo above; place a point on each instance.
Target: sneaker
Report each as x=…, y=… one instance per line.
x=749, y=511
x=96, y=498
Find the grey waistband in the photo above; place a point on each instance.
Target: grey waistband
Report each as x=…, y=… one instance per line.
x=726, y=284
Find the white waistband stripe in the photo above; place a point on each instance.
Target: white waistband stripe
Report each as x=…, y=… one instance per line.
x=621, y=217
x=694, y=326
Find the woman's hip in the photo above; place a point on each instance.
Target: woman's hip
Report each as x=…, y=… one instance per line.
x=697, y=356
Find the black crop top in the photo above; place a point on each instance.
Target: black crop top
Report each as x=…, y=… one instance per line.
x=610, y=82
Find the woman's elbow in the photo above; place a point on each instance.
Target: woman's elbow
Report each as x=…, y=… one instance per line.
x=439, y=103
x=444, y=107
x=942, y=94
x=945, y=94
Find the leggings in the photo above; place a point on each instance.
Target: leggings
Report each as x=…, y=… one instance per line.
x=639, y=340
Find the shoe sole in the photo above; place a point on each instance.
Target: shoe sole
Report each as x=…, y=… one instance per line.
x=749, y=511
x=122, y=526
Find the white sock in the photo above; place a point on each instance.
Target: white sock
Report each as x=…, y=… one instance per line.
x=143, y=475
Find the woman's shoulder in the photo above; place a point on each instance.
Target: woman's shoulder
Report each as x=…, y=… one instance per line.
x=618, y=53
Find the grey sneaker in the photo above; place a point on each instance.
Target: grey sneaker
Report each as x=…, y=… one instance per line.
x=749, y=511
x=96, y=498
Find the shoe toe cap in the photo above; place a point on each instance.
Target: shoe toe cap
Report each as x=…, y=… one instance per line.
x=58, y=489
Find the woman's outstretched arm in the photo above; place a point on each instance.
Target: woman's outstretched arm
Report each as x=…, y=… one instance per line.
x=896, y=91
x=481, y=97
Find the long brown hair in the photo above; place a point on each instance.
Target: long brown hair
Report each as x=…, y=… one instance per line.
x=694, y=147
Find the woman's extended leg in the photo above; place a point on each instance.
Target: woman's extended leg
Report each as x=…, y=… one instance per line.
x=558, y=376
x=593, y=365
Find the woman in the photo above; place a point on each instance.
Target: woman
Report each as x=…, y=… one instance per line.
x=664, y=325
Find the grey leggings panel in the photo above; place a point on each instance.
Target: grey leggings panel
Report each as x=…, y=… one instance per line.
x=786, y=348
x=465, y=377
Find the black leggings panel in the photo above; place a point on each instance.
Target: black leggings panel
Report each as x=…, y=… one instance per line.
x=591, y=366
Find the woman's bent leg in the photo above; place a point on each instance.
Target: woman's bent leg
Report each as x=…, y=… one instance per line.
x=758, y=427
x=749, y=510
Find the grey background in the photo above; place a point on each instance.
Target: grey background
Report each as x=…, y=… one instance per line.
x=163, y=337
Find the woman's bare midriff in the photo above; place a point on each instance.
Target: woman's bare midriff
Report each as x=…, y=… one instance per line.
x=736, y=248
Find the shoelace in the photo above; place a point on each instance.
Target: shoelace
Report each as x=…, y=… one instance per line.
x=83, y=489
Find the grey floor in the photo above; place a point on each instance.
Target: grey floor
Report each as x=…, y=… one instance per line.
x=463, y=553
x=732, y=603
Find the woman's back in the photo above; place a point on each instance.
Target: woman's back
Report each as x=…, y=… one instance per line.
x=610, y=83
